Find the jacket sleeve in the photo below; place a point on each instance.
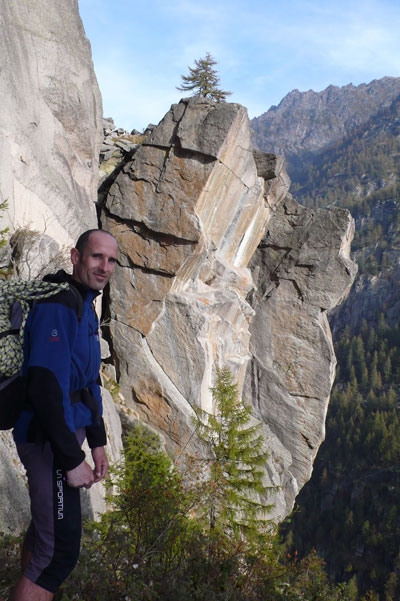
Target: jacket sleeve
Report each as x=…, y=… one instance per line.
x=51, y=334
x=96, y=435
x=96, y=432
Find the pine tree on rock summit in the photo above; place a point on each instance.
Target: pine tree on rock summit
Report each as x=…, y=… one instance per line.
x=204, y=80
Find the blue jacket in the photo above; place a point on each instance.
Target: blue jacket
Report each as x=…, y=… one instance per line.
x=61, y=366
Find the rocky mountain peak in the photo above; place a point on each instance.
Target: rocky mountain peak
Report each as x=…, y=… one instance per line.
x=309, y=121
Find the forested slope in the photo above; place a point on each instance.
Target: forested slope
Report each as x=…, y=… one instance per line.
x=349, y=511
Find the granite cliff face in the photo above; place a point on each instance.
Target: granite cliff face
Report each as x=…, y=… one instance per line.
x=219, y=265
x=301, y=270
x=50, y=124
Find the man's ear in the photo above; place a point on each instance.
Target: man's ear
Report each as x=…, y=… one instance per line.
x=74, y=256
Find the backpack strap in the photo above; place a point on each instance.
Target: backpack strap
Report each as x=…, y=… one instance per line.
x=79, y=301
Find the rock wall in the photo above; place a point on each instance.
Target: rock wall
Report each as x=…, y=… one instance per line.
x=50, y=126
x=221, y=267
x=50, y=137
x=302, y=269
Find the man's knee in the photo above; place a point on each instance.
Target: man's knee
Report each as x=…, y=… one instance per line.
x=26, y=590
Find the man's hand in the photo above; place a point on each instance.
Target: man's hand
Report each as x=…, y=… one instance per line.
x=81, y=476
x=100, y=463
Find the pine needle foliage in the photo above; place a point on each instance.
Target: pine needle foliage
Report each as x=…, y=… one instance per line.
x=150, y=514
x=203, y=80
x=236, y=464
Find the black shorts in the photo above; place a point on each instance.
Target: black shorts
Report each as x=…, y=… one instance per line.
x=54, y=534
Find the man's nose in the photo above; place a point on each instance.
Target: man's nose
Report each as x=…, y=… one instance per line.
x=103, y=265
x=108, y=265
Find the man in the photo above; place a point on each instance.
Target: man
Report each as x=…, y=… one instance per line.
x=61, y=365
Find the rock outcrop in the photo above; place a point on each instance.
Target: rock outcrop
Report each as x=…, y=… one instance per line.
x=190, y=207
x=301, y=269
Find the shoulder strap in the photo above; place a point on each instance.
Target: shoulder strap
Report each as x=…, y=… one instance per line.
x=79, y=301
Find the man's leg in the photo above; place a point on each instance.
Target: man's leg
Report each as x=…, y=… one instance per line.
x=26, y=556
x=26, y=590
x=51, y=546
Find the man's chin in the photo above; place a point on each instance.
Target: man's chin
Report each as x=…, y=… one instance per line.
x=98, y=284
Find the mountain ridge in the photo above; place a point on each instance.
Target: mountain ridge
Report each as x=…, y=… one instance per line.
x=310, y=121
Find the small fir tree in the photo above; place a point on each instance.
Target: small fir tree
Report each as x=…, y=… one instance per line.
x=236, y=464
x=203, y=80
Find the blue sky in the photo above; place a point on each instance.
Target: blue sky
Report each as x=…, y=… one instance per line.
x=264, y=49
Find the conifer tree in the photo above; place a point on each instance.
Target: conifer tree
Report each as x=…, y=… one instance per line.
x=203, y=80
x=236, y=463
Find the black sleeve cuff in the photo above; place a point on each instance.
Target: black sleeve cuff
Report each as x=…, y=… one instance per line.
x=96, y=435
x=68, y=463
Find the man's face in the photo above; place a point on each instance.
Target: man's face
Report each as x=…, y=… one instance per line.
x=94, y=266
